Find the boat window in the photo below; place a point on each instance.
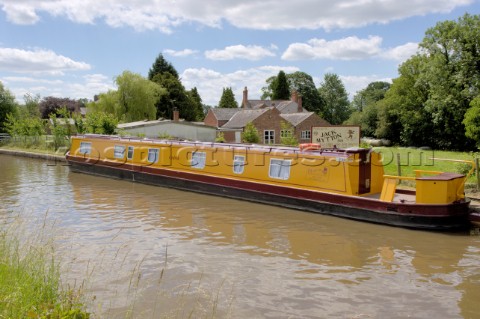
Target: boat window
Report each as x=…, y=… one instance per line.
x=85, y=148
x=119, y=151
x=280, y=169
x=130, y=152
x=153, y=155
x=198, y=159
x=238, y=164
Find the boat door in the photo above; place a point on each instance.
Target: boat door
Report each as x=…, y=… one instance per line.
x=364, y=171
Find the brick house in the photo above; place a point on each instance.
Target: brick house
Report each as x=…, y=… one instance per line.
x=267, y=117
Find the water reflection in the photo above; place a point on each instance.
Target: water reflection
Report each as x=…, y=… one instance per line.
x=155, y=251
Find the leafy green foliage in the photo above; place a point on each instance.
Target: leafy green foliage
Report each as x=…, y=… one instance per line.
x=196, y=102
x=161, y=66
x=287, y=136
x=136, y=97
x=101, y=123
x=337, y=107
x=220, y=138
x=472, y=121
x=176, y=97
x=7, y=106
x=303, y=84
x=250, y=134
x=280, y=86
x=227, y=99
x=27, y=126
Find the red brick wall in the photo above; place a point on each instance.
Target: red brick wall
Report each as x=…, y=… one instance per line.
x=313, y=120
x=210, y=119
x=270, y=120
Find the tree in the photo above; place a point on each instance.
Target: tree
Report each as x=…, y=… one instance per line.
x=51, y=104
x=365, y=102
x=136, y=97
x=161, y=66
x=280, y=86
x=402, y=117
x=7, y=106
x=452, y=71
x=472, y=121
x=250, y=134
x=101, y=123
x=374, y=92
x=176, y=97
x=337, y=107
x=227, y=100
x=196, y=102
x=303, y=84
x=286, y=134
x=32, y=104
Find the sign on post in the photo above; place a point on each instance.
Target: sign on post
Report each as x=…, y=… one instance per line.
x=336, y=136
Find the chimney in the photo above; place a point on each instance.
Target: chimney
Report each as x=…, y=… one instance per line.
x=176, y=114
x=299, y=104
x=245, y=98
x=294, y=96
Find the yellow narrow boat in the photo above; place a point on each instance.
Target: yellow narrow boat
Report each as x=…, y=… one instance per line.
x=348, y=183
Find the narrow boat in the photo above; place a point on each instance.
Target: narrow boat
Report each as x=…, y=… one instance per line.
x=342, y=182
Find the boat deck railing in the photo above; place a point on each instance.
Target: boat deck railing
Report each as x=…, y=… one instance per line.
x=264, y=148
x=390, y=181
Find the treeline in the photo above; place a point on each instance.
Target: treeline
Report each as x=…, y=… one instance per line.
x=434, y=101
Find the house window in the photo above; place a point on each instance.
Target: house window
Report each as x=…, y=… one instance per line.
x=85, y=148
x=285, y=133
x=153, y=155
x=238, y=164
x=279, y=169
x=269, y=137
x=119, y=151
x=130, y=153
x=306, y=135
x=199, y=159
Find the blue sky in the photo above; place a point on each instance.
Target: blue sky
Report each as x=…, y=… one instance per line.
x=75, y=48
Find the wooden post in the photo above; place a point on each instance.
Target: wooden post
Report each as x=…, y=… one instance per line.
x=477, y=171
x=399, y=169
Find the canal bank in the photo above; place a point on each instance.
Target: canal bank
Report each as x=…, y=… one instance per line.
x=51, y=157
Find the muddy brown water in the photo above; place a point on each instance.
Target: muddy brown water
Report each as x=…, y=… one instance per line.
x=150, y=252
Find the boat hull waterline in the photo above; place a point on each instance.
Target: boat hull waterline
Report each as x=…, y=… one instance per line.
x=442, y=217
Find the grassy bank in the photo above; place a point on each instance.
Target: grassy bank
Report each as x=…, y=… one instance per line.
x=404, y=161
x=30, y=281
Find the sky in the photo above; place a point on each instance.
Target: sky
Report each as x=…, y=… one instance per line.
x=76, y=48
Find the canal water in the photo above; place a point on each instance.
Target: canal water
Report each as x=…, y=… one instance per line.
x=141, y=251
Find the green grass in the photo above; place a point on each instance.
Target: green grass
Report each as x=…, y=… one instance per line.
x=411, y=159
x=30, y=281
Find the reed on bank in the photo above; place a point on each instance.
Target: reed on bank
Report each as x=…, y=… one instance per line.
x=30, y=281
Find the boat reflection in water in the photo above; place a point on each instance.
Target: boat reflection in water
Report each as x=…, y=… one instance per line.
x=261, y=261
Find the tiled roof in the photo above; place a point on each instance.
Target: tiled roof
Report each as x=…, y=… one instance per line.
x=243, y=117
x=296, y=118
x=224, y=114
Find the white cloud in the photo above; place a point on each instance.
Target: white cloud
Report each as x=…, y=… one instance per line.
x=74, y=87
x=38, y=62
x=249, y=52
x=350, y=48
x=164, y=15
x=353, y=84
x=401, y=53
x=182, y=53
x=210, y=83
